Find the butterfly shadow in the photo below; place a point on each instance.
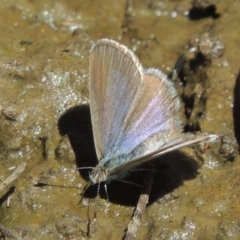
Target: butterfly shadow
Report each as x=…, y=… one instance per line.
x=171, y=169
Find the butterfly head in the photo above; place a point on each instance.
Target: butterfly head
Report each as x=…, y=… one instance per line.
x=98, y=174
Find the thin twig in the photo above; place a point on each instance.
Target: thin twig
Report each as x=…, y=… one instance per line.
x=13, y=176
x=139, y=210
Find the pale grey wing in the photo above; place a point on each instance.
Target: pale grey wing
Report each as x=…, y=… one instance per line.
x=152, y=122
x=183, y=140
x=114, y=85
x=154, y=115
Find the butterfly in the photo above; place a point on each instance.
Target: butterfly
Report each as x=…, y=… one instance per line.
x=134, y=112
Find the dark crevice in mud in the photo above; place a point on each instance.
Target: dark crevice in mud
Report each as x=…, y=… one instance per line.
x=194, y=78
x=236, y=109
x=197, y=13
x=128, y=17
x=198, y=61
x=44, y=146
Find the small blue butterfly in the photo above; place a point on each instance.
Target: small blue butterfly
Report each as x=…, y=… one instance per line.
x=134, y=112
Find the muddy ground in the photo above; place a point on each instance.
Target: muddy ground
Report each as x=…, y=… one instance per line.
x=45, y=121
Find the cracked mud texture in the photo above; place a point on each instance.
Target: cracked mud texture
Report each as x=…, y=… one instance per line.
x=44, y=49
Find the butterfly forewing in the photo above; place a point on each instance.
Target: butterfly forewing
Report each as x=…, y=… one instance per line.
x=115, y=75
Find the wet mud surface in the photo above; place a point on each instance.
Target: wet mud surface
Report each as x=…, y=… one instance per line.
x=45, y=119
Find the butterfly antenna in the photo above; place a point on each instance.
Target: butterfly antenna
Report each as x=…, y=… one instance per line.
x=80, y=168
